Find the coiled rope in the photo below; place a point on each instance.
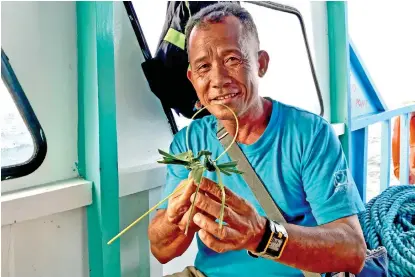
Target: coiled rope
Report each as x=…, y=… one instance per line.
x=389, y=221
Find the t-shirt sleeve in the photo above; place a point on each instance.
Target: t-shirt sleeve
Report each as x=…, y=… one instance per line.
x=175, y=173
x=327, y=180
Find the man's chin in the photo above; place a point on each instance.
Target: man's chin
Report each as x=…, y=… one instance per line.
x=222, y=113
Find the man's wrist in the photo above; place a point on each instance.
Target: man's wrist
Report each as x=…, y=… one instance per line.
x=273, y=241
x=258, y=236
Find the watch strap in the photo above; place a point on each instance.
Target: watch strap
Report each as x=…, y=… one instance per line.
x=274, y=231
x=266, y=237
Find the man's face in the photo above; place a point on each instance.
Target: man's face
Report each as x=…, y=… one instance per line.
x=225, y=66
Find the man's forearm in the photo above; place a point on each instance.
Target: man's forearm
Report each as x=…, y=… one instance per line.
x=167, y=241
x=324, y=249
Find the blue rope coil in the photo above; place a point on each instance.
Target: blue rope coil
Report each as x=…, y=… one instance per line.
x=389, y=221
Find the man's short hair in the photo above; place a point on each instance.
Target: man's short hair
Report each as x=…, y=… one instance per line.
x=215, y=14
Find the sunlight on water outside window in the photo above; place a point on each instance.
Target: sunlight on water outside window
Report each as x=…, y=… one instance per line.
x=16, y=142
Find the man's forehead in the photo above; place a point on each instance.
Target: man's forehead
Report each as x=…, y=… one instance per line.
x=229, y=29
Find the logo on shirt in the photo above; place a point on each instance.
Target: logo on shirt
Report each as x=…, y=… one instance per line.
x=342, y=179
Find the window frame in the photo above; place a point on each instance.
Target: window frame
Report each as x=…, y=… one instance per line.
x=267, y=4
x=29, y=118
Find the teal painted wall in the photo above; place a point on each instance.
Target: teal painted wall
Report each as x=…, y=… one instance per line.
x=97, y=137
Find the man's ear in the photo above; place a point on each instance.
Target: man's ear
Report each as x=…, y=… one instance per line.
x=189, y=73
x=263, y=61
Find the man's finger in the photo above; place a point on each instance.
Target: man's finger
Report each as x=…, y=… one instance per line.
x=215, y=244
x=180, y=202
x=175, y=213
x=188, y=190
x=213, y=208
x=225, y=233
x=186, y=217
x=237, y=203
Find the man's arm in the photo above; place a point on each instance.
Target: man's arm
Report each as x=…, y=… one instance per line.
x=333, y=247
x=338, y=246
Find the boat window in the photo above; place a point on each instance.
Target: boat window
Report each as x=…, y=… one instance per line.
x=291, y=77
x=23, y=145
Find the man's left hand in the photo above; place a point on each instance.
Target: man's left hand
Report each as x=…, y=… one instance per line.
x=244, y=226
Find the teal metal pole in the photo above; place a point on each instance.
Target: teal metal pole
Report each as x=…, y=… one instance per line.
x=97, y=133
x=339, y=66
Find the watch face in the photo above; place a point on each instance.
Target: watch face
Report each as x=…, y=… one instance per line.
x=276, y=244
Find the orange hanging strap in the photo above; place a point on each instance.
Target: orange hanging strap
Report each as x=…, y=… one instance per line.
x=396, y=147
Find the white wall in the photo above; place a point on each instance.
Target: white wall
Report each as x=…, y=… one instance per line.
x=40, y=40
x=50, y=246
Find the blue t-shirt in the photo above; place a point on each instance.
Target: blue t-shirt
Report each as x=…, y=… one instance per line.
x=300, y=160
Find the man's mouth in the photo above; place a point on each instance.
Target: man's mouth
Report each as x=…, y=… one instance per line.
x=227, y=96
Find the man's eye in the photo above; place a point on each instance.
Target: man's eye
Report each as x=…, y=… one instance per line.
x=232, y=60
x=203, y=66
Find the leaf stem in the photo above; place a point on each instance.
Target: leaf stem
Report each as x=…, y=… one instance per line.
x=149, y=211
x=222, y=189
x=192, y=208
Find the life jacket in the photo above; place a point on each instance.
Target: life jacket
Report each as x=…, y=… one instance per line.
x=166, y=71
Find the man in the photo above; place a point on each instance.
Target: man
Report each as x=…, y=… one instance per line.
x=296, y=154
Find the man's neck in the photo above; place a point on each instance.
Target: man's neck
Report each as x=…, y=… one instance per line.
x=252, y=124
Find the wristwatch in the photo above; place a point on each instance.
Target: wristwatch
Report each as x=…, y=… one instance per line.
x=273, y=242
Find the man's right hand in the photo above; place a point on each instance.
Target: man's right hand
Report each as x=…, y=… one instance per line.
x=166, y=230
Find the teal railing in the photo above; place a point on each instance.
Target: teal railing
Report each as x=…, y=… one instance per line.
x=367, y=109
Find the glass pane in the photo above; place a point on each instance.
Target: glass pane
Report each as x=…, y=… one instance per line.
x=16, y=142
x=289, y=78
x=385, y=41
x=151, y=15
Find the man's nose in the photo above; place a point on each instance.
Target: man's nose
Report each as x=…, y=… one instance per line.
x=219, y=76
